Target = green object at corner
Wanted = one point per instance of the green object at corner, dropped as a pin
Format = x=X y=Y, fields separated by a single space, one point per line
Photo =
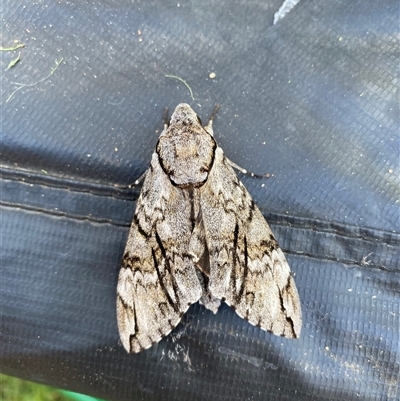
x=78 y=397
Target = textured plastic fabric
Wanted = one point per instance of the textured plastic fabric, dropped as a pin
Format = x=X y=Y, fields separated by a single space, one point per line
x=312 y=100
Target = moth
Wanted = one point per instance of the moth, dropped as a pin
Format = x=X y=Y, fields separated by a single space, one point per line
x=197 y=235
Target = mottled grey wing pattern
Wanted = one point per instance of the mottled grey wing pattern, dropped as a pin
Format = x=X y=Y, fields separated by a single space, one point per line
x=197 y=235
x=157 y=281
x=247 y=268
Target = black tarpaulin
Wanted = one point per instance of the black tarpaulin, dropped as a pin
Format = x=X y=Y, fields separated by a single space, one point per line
x=312 y=99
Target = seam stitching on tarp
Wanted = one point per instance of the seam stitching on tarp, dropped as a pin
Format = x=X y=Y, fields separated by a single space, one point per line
x=124 y=192
x=63 y=214
x=275 y=218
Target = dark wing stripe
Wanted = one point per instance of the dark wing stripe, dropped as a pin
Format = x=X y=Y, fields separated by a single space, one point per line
x=245 y=269
x=161 y=281
x=168 y=268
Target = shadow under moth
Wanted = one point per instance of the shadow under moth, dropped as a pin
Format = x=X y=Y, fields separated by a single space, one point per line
x=198 y=236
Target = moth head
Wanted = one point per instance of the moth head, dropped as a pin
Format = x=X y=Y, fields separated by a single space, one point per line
x=185 y=149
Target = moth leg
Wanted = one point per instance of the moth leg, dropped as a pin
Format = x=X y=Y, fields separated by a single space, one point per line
x=136 y=182
x=244 y=171
x=140 y=179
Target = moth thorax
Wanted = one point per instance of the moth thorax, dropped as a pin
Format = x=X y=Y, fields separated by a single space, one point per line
x=186 y=156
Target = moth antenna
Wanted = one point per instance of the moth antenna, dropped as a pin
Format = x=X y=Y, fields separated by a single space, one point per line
x=165 y=118
x=249 y=173
x=208 y=127
x=213 y=114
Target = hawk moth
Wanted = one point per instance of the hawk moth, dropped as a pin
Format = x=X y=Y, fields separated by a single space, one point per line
x=197 y=235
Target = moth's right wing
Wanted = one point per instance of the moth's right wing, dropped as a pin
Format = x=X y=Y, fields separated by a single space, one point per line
x=247 y=268
x=157 y=282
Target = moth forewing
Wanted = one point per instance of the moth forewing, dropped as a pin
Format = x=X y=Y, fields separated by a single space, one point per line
x=197 y=235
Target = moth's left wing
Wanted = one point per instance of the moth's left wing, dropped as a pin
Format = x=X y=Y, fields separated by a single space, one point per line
x=247 y=268
x=158 y=280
